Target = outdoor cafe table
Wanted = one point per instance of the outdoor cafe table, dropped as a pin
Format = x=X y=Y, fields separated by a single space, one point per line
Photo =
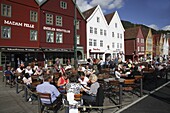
x=121 y=81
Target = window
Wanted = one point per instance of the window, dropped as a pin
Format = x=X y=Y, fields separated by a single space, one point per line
x=98 y=19
x=101 y=31
x=95 y=30
x=33 y=16
x=117 y=45
x=49 y=36
x=105 y=33
x=138 y=48
x=95 y=42
x=142 y=48
x=59 y=37
x=112 y=34
x=6 y=32
x=115 y=25
x=33 y=35
x=49 y=19
x=142 y=40
x=78 y=39
x=120 y=45
x=5 y=10
x=101 y=43
x=59 y=21
x=137 y=40
x=120 y=36
x=91 y=29
x=117 y=35
x=113 y=45
x=63 y=5
x=90 y=42
x=78 y=24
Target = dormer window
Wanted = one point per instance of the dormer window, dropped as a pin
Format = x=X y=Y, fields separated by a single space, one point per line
x=63 y=5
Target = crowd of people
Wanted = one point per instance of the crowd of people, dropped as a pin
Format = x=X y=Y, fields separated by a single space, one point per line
x=82 y=80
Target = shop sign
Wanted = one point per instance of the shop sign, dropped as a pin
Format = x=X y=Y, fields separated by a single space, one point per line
x=56 y=29
x=96 y=49
x=19 y=24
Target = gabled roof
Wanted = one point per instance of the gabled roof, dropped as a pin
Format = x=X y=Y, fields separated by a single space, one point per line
x=131 y=33
x=109 y=17
x=40 y=2
x=145 y=32
x=156 y=38
x=88 y=13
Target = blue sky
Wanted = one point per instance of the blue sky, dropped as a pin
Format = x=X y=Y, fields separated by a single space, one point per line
x=153 y=13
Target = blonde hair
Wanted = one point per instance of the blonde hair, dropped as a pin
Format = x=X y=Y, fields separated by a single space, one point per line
x=93 y=78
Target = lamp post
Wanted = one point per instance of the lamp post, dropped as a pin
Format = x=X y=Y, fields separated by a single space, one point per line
x=75 y=36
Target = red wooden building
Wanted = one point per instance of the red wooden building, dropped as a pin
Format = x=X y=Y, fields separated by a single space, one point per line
x=40 y=29
x=134 y=43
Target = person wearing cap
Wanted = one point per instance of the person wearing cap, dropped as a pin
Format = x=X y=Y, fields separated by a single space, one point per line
x=46 y=87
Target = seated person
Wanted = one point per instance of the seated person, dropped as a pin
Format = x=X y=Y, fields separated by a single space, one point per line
x=73 y=86
x=8 y=71
x=83 y=79
x=46 y=87
x=29 y=70
x=134 y=72
x=62 y=81
x=27 y=79
x=91 y=92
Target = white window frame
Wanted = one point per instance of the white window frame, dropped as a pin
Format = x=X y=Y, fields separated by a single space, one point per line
x=91 y=29
x=120 y=36
x=117 y=35
x=33 y=16
x=78 y=25
x=138 y=48
x=113 y=34
x=90 y=42
x=115 y=25
x=105 y=33
x=101 y=31
x=6 y=10
x=59 y=36
x=120 y=45
x=59 y=20
x=51 y=35
x=78 y=39
x=94 y=42
x=33 y=35
x=63 y=5
x=7 y=31
x=101 y=43
x=95 y=30
x=113 y=45
x=117 y=45
x=98 y=19
x=49 y=19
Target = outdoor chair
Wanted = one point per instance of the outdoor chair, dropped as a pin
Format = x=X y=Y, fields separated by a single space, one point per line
x=8 y=80
x=43 y=107
x=98 y=102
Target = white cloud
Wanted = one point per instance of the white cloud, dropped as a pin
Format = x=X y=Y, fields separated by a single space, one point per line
x=83 y=5
x=166 y=28
x=153 y=26
x=104 y=4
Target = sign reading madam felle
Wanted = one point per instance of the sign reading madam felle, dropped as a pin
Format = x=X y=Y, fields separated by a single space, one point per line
x=19 y=24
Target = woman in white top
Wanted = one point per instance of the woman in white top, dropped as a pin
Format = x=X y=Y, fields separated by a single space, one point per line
x=83 y=79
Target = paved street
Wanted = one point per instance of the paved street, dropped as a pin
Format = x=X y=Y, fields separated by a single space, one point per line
x=157 y=102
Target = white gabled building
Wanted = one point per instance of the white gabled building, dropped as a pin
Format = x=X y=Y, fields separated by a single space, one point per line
x=115 y=34
x=96 y=29
x=105 y=34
